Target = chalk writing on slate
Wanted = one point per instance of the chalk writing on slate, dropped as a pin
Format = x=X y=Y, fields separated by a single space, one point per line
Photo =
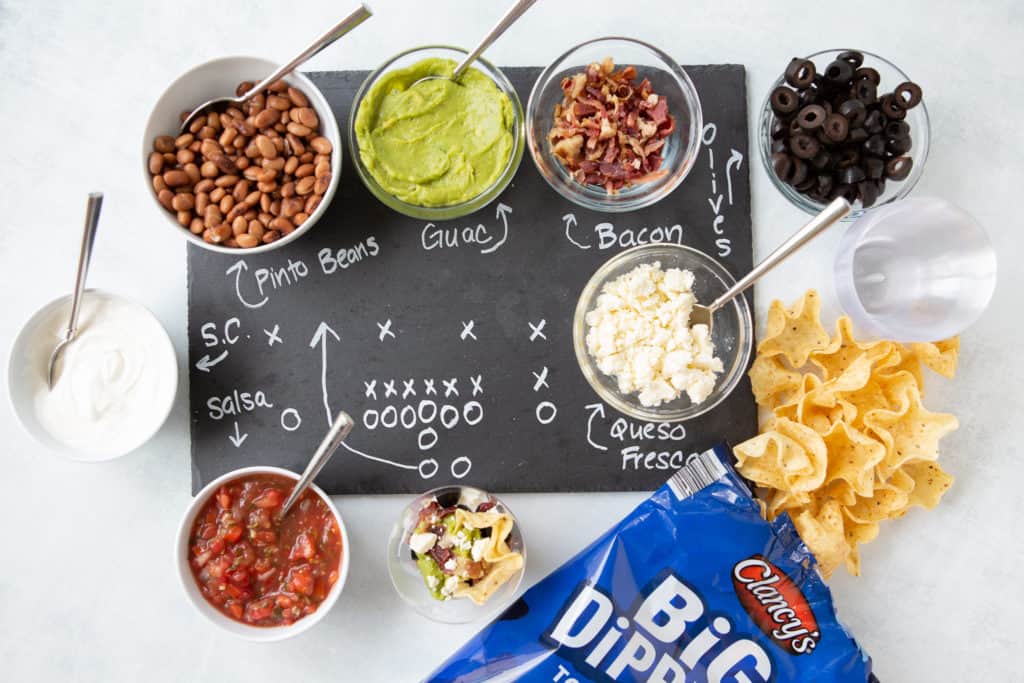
x=450 y=343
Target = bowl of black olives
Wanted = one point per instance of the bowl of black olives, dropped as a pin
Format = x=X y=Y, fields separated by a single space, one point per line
x=844 y=123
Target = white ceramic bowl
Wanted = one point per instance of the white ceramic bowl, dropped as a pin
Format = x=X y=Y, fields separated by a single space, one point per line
x=262 y=634
x=219 y=78
x=26 y=372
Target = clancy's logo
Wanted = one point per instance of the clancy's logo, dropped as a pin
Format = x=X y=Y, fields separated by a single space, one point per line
x=776 y=605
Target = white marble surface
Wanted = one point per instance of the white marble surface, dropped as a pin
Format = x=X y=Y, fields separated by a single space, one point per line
x=87 y=588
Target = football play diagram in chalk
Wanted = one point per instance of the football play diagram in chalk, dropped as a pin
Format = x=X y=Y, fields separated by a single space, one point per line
x=450 y=343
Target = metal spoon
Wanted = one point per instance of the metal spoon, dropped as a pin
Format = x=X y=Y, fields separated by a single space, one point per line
x=703 y=315
x=92 y=218
x=361 y=14
x=340 y=428
x=518 y=10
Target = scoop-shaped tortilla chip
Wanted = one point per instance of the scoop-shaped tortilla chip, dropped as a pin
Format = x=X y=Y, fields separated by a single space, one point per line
x=940 y=357
x=852 y=456
x=824 y=535
x=795 y=333
x=930 y=482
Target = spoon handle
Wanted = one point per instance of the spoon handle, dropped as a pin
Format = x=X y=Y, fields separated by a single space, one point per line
x=361 y=14
x=340 y=429
x=828 y=216
x=510 y=17
x=92 y=219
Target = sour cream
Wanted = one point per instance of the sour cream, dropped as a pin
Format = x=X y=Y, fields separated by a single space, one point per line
x=116 y=382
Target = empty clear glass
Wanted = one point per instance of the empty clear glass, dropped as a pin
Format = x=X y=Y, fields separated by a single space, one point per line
x=915 y=270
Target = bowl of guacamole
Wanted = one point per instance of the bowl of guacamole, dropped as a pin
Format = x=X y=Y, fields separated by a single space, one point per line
x=436 y=149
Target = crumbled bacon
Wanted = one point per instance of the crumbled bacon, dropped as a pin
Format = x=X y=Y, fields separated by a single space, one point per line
x=610 y=130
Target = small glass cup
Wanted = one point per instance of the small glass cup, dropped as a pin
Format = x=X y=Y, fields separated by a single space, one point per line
x=667 y=78
x=449 y=211
x=917 y=270
x=732 y=333
x=917 y=118
x=406 y=576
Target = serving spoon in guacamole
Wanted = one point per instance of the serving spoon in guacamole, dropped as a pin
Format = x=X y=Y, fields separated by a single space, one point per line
x=518 y=10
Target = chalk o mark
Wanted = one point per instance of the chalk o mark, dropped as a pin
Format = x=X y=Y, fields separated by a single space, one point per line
x=428 y=432
x=546 y=412
x=459 y=462
x=296 y=419
x=424 y=464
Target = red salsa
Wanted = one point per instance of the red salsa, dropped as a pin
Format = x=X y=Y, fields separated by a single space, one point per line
x=254 y=566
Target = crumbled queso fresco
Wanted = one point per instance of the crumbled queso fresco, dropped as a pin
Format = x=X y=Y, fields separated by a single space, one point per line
x=639 y=333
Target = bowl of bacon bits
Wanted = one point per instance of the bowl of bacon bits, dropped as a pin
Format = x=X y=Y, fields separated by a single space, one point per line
x=456 y=554
x=252 y=572
x=614 y=124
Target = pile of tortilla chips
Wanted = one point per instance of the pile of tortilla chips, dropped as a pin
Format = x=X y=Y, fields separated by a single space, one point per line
x=849 y=443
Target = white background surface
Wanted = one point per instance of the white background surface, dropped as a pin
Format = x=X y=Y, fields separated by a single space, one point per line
x=87 y=587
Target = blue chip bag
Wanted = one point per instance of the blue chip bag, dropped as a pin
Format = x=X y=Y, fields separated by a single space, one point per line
x=692 y=586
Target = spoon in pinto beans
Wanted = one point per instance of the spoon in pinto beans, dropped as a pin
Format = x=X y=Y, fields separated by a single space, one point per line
x=361 y=14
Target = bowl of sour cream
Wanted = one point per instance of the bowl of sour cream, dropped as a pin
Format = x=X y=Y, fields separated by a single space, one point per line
x=117 y=380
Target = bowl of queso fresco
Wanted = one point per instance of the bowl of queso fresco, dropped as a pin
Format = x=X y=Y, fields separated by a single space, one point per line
x=252 y=572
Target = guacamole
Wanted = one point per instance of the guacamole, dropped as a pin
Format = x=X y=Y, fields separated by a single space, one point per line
x=438 y=142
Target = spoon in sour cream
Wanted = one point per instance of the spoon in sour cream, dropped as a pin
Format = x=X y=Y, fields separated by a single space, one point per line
x=518 y=10
x=92 y=218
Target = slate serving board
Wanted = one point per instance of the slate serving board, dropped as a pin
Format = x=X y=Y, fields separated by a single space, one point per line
x=450 y=344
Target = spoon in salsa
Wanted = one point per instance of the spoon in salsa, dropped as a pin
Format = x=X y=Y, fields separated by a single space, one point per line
x=361 y=14
x=340 y=428
x=518 y=10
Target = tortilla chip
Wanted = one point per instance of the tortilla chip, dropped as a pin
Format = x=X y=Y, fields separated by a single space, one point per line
x=852 y=456
x=790 y=457
x=911 y=432
x=930 y=482
x=772 y=381
x=795 y=333
x=482 y=589
x=940 y=357
x=849 y=443
x=824 y=535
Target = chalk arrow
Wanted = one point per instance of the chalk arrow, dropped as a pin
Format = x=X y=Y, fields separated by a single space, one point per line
x=570 y=223
x=237 y=269
x=501 y=213
x=205 y=363
x=735 y=161
x=237 y=439
x=595 y=410
x=320 y=337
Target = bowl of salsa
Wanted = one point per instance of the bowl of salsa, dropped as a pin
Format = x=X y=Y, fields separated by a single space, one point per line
x=250 y=571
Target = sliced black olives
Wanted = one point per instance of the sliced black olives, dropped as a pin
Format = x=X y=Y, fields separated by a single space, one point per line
x=838 y=74
x=836 y=127
x=837 y=133
x=800 y=73
x=855 y=112
x=853 y=57
x=908 y=94
x=812 y=116
x=804 y=146
x=784 y=101
x=898 y=168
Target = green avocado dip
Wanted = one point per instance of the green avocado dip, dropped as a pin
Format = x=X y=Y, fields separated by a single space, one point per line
x=438 y=142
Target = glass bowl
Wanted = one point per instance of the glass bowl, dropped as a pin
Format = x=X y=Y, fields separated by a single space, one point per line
x=406 y=577
x=450 y=211
x=917 y=118
x=732 y=333
x=667 y=78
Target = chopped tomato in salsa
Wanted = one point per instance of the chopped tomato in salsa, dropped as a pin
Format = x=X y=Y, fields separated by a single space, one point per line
x=256 y=567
